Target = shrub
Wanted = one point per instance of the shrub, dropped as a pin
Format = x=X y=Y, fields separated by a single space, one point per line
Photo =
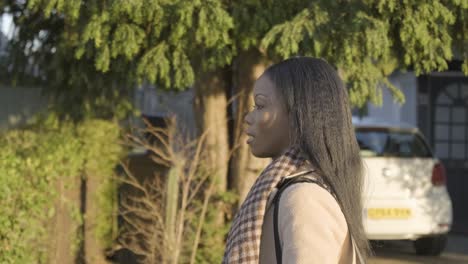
x=32 y=160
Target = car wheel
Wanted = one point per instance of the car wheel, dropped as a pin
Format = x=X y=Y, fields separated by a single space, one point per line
x=430 y=246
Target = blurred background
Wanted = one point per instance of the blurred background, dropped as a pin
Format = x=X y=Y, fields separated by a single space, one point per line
x=121 y=122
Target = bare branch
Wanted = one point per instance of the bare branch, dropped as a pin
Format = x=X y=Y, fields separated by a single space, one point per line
x=145 y=230
x=201 y=222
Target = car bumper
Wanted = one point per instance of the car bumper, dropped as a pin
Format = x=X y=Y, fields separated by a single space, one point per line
x=429 y=215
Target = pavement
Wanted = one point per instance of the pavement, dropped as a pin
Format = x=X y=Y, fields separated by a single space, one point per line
x=402 y=252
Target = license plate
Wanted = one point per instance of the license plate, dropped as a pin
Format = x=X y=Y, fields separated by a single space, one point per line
x=388 y=213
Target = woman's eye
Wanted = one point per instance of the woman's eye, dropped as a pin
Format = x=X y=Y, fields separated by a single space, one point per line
x=257 y=107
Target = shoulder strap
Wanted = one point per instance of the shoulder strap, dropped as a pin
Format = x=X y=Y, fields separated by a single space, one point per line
x=281 y=187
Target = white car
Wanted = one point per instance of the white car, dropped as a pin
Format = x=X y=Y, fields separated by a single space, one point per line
x=405 y=194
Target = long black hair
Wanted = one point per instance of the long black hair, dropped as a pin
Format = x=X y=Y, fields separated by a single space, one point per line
x=321 y=124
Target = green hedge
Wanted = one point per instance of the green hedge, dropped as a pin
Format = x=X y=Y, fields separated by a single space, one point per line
x=31 y=161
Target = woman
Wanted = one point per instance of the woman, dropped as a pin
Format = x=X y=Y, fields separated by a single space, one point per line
x=301 y=120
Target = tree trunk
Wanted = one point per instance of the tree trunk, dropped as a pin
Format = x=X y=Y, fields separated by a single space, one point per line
x=93 y=247
x=63 y=234
x=211 y=113
x=245 y=168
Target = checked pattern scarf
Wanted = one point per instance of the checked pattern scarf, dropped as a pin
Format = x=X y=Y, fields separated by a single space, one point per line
x=243 y=241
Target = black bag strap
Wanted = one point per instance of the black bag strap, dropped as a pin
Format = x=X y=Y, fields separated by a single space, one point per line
x=281 y=187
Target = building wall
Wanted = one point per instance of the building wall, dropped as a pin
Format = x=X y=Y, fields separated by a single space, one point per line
x=18 y=104
x=395 y=112
x=154 y=102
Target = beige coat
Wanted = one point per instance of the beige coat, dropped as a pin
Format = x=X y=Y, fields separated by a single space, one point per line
x=312 y=228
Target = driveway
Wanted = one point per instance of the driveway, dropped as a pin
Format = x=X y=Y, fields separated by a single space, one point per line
x=402 y=252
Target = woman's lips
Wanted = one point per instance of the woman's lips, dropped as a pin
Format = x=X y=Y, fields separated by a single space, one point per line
x=250 y=139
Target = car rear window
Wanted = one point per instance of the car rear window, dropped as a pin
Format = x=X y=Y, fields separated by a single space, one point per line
x=378 y=142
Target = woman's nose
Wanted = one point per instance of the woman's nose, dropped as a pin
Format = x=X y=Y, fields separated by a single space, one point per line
x=248 y=118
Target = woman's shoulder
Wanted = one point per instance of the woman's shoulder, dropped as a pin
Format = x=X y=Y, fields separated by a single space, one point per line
x=311 y=220
x=312 y=199
x=308 y=191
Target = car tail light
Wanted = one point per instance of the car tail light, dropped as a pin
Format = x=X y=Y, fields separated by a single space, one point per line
x=438 y=175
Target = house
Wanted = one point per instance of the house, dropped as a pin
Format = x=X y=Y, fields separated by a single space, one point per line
x=437 y=103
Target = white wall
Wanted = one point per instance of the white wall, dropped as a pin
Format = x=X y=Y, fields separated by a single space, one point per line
x=392 y=111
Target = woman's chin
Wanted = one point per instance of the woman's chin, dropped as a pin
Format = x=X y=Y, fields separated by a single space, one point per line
x=258 y=154
x=253 y=150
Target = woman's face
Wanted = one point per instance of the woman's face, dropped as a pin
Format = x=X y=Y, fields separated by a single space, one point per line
x=267 y=124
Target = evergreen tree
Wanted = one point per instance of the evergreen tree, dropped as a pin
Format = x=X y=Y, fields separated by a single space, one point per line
x=92 y=54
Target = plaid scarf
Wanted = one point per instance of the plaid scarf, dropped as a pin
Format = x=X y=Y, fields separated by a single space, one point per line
x=243 y=241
